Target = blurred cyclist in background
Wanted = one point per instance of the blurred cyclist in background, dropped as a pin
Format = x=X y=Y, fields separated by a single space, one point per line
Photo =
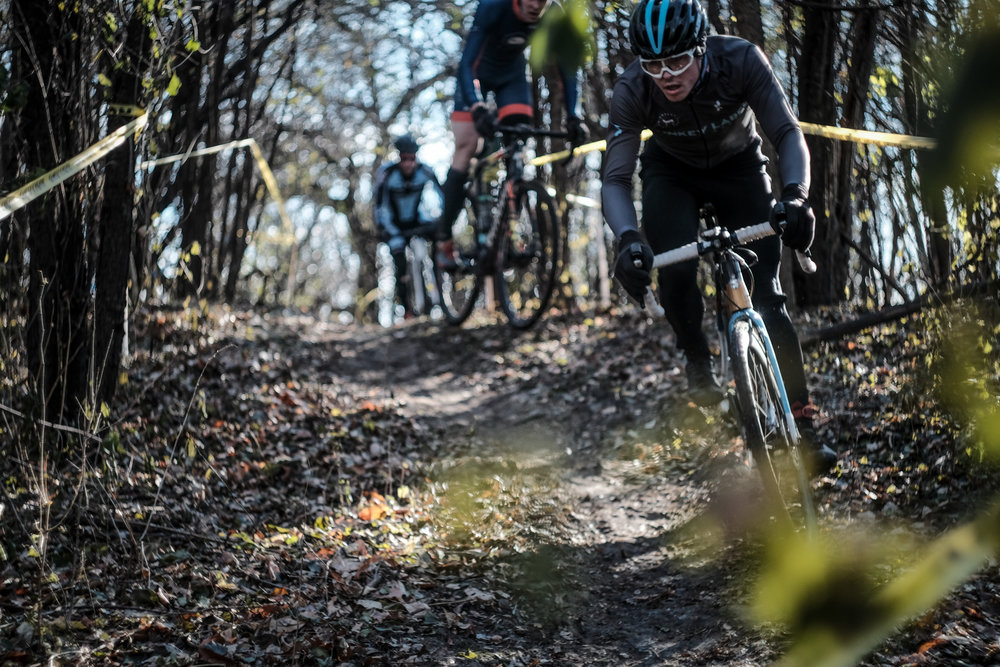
x=493 y=62
x=400 y=207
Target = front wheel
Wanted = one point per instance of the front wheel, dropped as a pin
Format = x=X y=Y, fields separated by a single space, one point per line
x=421 y=287
x=459 y=288
x=767 y=428
x=528 y=256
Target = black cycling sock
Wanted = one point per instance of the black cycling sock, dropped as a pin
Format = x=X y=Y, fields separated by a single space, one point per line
x=454 y=196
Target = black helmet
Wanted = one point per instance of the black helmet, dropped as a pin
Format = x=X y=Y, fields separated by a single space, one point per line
x=661 y=28
x=407 y=145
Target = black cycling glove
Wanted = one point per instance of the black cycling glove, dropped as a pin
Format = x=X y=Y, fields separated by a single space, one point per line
x=576 y=130
x=632 y=250
x=486 y=124
x=799 y=226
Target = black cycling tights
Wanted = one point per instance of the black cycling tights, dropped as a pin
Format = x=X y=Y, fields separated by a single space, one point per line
x=740 y=191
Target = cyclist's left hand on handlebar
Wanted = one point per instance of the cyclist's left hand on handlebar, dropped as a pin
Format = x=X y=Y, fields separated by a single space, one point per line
x=794 y=211
x=485 y=122
x=576 y=130
x=635 y=260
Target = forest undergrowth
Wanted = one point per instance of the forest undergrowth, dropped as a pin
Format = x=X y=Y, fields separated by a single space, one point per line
x=270 y=488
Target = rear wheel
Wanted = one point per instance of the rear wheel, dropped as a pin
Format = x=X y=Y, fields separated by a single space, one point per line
x=459 y=288
x=767 y=431
x=529 y=253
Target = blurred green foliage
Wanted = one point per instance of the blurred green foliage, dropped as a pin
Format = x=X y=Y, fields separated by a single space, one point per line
x=831 y=598
x=566 y=37
x=968 y=148
x=841 y=595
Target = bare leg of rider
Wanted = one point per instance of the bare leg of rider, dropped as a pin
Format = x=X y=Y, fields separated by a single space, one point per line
x=466 y=145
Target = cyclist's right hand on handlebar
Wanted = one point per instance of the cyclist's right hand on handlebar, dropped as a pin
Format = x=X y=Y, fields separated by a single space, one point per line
x=485 y=122
x=635 y=260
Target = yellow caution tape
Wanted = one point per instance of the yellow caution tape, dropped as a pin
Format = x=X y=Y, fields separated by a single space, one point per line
x=49 y=180
x=844 y=134
x=180 y=157
x=579 y=150
x=272 y=184
x=269 y=181
x=74 y=165
x=866 y=137
x=576 y=200
x=584 y=202
x=265 y=169
x=858 y=136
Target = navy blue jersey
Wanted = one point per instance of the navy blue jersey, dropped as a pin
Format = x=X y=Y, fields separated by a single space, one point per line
x=493 y=57
x=715 y=123
x=401 y=203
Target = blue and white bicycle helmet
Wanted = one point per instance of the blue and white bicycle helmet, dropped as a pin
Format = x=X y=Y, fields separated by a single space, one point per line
x=662 y=28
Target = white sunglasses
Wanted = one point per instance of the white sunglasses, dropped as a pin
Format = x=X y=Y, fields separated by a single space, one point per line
x=674 y=65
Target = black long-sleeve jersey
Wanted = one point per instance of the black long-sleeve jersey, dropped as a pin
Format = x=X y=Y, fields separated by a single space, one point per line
x=714 y=123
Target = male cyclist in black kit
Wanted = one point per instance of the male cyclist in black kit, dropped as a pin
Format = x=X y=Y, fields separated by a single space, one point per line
x=493 y=61
x=699 y=95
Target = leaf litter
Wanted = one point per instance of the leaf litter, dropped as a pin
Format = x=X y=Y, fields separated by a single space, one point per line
x=284 y=490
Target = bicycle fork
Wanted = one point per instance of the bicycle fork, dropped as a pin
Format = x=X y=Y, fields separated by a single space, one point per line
x=490 y=250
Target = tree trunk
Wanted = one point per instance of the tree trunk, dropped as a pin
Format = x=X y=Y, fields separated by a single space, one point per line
x=817 y=104
x=854 y=107
x=917 y=120
x=57 y=332
x=748 y=22
x=194 y=204
x=117 y=228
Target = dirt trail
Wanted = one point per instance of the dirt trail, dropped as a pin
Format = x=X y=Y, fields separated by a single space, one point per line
x=632 y=590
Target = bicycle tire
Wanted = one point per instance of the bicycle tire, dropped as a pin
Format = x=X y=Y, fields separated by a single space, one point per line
x=460 y=288
x=422 y=284
x=770 y=437
x=528 y=256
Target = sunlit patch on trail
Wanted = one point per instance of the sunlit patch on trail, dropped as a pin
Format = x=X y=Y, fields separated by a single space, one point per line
x=504 y=512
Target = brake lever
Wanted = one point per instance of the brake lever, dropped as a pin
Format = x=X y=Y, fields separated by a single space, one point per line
x=804 y=258
x=654 y=307
x=649 y=301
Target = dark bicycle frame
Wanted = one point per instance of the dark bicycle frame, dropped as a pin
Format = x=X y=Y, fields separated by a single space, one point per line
x=730 y=260
x=511 y=153
x=483 y=191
